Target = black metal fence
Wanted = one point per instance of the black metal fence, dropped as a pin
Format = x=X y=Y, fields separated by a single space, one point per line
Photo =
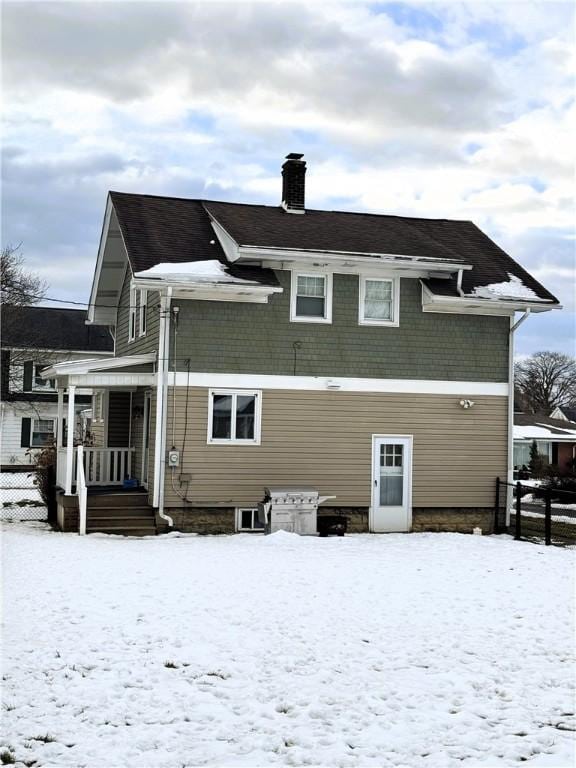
x=535 y=513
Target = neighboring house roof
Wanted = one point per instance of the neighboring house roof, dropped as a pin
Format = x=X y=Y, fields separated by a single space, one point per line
x=159 y=230
x=564 y=414
x=52 y=329
x=534 y=426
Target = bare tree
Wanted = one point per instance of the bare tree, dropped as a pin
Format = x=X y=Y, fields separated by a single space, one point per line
x=19 y=286
x=546 y=380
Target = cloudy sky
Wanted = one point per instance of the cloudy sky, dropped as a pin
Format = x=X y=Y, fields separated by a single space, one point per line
x=440 y=109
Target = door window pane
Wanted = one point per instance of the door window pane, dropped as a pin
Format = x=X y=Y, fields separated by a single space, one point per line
x=310 y=296
x=245 y=410
x=222 y=417
x=391 y=475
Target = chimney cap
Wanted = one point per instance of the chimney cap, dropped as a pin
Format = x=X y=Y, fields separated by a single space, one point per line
x=295 y=156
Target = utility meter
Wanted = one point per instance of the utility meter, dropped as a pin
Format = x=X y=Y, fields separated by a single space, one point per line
x=173 y=458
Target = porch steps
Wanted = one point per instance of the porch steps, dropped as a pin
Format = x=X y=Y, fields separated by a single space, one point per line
x=122 y=513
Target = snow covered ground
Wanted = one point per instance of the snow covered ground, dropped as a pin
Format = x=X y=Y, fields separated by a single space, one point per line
x=397 y=651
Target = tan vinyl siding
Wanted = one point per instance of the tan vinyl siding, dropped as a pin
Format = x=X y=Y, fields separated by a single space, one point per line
x=324 y=440
x=141 y=344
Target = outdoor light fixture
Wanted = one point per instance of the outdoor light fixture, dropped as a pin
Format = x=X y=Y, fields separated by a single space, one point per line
x=466 y=404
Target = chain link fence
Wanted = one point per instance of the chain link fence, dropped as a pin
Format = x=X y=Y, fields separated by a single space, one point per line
x=20 y=498
x=534 y=513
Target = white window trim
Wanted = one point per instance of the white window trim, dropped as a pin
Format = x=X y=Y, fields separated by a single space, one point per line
x=36 y=421
x=395 y=322
x=257 y=416
x=132 y=315
x=143 y=303
x=254 y=511
x=294 y=318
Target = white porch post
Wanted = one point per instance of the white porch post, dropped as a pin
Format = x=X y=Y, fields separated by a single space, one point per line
x=70 y=440
x=60 y=422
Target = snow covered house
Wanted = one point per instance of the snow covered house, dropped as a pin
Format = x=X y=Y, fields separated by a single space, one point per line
x=32 y=339
x=366 y=356
x=555 y=439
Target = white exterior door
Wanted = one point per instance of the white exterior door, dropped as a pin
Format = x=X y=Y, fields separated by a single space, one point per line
x=391 y=483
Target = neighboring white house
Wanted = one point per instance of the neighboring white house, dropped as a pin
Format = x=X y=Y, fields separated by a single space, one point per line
x=33 y=338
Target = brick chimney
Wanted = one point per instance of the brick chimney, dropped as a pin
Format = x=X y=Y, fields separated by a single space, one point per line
x=293 y=185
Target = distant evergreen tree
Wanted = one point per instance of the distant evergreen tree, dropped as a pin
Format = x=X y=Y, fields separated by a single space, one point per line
x=538 y=463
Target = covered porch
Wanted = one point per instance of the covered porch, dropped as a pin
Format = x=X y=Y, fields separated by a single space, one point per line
x=115 y=440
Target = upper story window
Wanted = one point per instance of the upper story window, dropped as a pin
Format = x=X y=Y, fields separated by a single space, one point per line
x=379 y=301
x=234 y=416
x=39 y=382
x=132 y=316
x=311 y=297
x=142 y=305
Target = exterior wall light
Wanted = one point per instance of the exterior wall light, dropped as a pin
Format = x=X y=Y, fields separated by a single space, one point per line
x=466 y=404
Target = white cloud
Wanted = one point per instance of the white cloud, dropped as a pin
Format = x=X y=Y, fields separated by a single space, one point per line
x=463 y=111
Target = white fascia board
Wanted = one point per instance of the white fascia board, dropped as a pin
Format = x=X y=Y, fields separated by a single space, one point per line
x=229 y=245
x=431 y=302
x=73 y=367
x=339 y=384
x=118 y=379
x=210 y=291
x=375 y=260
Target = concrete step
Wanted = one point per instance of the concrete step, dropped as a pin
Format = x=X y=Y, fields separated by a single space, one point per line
x=99 y=512
x=120 y=522
x=98 y=500
x=125 y=531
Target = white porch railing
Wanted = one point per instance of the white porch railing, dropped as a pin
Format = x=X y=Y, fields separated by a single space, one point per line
x=102 y=466
x=107 y=466
x=81 y=491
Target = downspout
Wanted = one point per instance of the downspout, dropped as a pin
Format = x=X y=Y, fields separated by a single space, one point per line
x=510 y=452
x=161 y=400
x=459 y=283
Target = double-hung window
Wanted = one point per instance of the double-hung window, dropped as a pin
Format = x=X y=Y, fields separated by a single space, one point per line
x=142 y=308
x=311 y=298
x=379 y=301
x=234 y=416
x=132 y=316
x=42 y=432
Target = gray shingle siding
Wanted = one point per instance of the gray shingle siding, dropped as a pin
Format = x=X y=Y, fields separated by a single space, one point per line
x=229 y=337
x=141 y=344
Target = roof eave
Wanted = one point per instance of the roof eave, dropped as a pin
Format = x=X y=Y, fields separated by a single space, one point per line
x=335 y=258
x=432 y=301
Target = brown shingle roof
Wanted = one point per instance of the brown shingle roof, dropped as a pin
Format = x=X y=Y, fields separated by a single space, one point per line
x=170 y=230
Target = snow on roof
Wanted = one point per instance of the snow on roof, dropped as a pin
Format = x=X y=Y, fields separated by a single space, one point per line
x=513 y=288
x=543 y=432
x=194 y=272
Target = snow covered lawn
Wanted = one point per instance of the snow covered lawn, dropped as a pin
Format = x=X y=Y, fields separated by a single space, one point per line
x=20 y=498
x=394 y=651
